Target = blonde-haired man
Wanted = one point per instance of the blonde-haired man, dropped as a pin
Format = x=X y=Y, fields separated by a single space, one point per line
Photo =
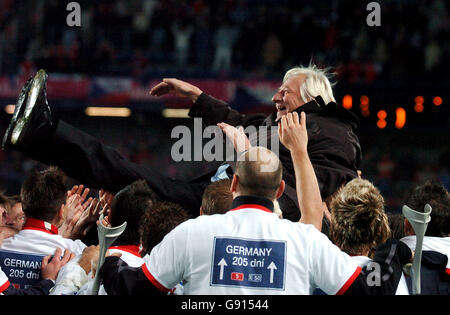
x=359 y=223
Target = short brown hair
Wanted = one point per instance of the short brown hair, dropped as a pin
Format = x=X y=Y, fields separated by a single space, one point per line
x=4 y=200
x=162 y=218
x=129 y=205
x=43 y=193
x=14 y=199
x=358 y=220
x=435 y=194
x=217 y=198
x=396 y=224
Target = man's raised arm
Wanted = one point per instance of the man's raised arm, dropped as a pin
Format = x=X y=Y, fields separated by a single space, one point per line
x=176 y=87
x=293 y=135
x=210 y=109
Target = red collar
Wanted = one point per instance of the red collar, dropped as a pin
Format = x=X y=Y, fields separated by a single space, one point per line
x=253 y=202
x=132 y=249
x=39 y=225
x=259 y=207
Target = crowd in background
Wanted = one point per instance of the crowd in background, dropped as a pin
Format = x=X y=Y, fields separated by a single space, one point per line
x=231 y=39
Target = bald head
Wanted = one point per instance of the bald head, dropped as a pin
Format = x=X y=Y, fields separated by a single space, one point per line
x=259 y=173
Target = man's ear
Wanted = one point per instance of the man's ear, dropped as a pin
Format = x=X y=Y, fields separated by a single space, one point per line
x=407 y=228
x=234 y=183
x=59 y=217
x=61 y=211
x=280 y=190
x=201 y=210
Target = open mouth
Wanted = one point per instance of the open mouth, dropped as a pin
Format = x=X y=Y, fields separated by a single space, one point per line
x=281 y=108
x=281 y=111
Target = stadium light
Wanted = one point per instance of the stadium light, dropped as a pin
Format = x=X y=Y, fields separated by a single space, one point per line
x=9 y=109
x=108 y=111
x=437 y=101
x=364 y=105
x=364 y=100
x=381 y=123
x=175 y=113
x=418 y=107
x=382 y=114
x=401 y=118
x=347 y=101
x=419 y=99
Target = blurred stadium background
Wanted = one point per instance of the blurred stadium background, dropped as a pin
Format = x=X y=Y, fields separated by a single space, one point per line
x=394 y=77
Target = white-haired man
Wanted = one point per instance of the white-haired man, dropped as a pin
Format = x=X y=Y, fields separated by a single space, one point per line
x=333 y=147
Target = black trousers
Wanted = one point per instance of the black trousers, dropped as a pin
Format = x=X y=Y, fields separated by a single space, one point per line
x=96 y=165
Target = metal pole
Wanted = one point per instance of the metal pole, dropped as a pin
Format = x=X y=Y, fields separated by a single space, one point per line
x=106 y=236
x=419 y=222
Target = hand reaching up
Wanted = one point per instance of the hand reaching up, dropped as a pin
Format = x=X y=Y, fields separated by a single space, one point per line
x=237 y=136
x=292 y=132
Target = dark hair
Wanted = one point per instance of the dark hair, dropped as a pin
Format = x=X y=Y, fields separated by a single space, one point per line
x=439 y=199
x=396 y=223
x=43 y=193
x=14 y=199
x=4 y=200
x=129 y=205
x=160 y=220
x=217 y=197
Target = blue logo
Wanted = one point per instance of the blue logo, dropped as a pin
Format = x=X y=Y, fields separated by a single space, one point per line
x=249 y=263
x=22 y=270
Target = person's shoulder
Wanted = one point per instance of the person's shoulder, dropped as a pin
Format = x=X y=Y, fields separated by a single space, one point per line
x=299 y=227
x=17 y=238
x=332 y=109
x=77 y=246
x=208 y=218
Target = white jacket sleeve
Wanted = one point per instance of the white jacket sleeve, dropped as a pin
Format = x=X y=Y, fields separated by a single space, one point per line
x=70 y=279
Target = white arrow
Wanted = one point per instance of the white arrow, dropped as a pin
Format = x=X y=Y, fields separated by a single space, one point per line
x=272 y=267
x=222 y=263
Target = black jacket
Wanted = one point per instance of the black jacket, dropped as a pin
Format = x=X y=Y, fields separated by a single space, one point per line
x=41 y=288
x=333 y=146
x=434 y=275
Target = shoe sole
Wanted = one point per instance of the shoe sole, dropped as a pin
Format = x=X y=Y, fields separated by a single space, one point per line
x=36 y=88
x=18 y=111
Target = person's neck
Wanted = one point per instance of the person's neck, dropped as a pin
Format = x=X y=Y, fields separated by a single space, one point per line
x=241 y=200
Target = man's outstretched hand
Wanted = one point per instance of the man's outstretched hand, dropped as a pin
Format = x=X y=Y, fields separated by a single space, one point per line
x=176 y=87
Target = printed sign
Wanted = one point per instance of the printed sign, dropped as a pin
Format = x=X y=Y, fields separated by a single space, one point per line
x=249 y=263
x=22 y=270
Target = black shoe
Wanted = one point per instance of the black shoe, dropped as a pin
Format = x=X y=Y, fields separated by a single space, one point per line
x=33 y=121
x=18 y=111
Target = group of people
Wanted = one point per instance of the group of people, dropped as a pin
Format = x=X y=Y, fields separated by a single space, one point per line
x=297 y=220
